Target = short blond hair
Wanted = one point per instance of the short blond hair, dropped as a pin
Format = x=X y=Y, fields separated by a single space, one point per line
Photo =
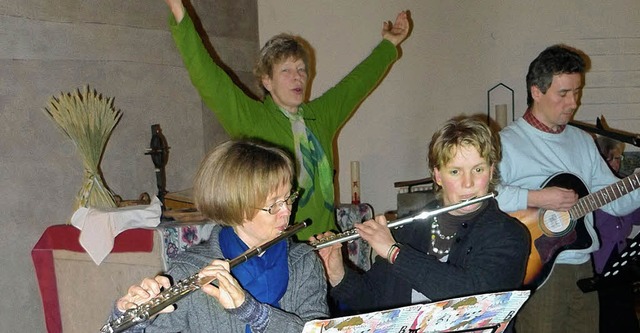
x=236 y=178
x=464 y=131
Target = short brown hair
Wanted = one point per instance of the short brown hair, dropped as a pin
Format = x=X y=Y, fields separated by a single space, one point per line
x=236 y=178
x=554 y=60
x=276 y=50
x=464 y=131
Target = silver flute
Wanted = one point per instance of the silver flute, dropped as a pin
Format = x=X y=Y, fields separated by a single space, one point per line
x=352 y=234
x=184 y=287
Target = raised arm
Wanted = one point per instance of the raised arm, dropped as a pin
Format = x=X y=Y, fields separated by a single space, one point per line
x=176 y=8
x=395 y=32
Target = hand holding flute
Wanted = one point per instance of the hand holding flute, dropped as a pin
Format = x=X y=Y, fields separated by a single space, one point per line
x=228 y=292
x=142 y=293
x=375 y=232
x=331 y=259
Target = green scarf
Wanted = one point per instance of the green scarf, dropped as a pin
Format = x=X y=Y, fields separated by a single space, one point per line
x=310 y=159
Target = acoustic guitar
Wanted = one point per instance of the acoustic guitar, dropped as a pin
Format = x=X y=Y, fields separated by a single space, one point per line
x=553 y=232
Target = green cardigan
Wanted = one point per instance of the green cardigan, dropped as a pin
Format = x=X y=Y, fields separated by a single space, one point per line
x=245 y=117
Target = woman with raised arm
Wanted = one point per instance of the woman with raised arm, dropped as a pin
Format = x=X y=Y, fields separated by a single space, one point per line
x=305 y=128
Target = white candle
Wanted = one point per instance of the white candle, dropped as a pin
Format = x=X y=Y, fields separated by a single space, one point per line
x=355 y=182
x=501 y=115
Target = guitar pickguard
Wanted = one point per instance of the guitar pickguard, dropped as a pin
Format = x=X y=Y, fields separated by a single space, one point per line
x=549 y=246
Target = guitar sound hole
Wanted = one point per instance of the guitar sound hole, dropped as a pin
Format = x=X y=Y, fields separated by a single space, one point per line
x=556 y=223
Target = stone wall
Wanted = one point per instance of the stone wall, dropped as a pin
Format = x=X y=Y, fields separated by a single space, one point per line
x=122 y=49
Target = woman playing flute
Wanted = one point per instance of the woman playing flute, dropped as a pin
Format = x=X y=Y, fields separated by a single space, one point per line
x=474 y=249
x=246 y=188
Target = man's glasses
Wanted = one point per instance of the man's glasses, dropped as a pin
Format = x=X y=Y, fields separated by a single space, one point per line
x=620 y=158
x=276 y=206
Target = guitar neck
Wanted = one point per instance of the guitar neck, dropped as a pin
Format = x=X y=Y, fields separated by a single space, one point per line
x=595 y=200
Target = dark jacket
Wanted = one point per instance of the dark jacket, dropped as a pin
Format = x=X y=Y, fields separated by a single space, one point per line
x=489 y=254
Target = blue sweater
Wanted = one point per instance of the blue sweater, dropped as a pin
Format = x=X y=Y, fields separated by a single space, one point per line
x=304 y=299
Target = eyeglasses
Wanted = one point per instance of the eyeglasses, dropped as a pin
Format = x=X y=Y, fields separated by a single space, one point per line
x=276 y=206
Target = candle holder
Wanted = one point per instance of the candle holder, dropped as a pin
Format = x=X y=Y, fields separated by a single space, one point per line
x=501 y=112
x=355 y=182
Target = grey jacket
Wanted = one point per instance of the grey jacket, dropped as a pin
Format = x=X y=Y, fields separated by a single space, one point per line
x=304 y=299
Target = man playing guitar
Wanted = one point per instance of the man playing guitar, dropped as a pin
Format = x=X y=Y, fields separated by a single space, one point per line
x=548 y=170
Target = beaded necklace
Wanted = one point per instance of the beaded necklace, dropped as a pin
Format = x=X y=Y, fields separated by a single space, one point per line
x=435 y=231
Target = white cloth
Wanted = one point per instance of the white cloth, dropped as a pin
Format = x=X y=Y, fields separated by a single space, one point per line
x=99 y=227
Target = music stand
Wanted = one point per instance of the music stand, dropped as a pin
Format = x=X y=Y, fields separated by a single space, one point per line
x=616 y=270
